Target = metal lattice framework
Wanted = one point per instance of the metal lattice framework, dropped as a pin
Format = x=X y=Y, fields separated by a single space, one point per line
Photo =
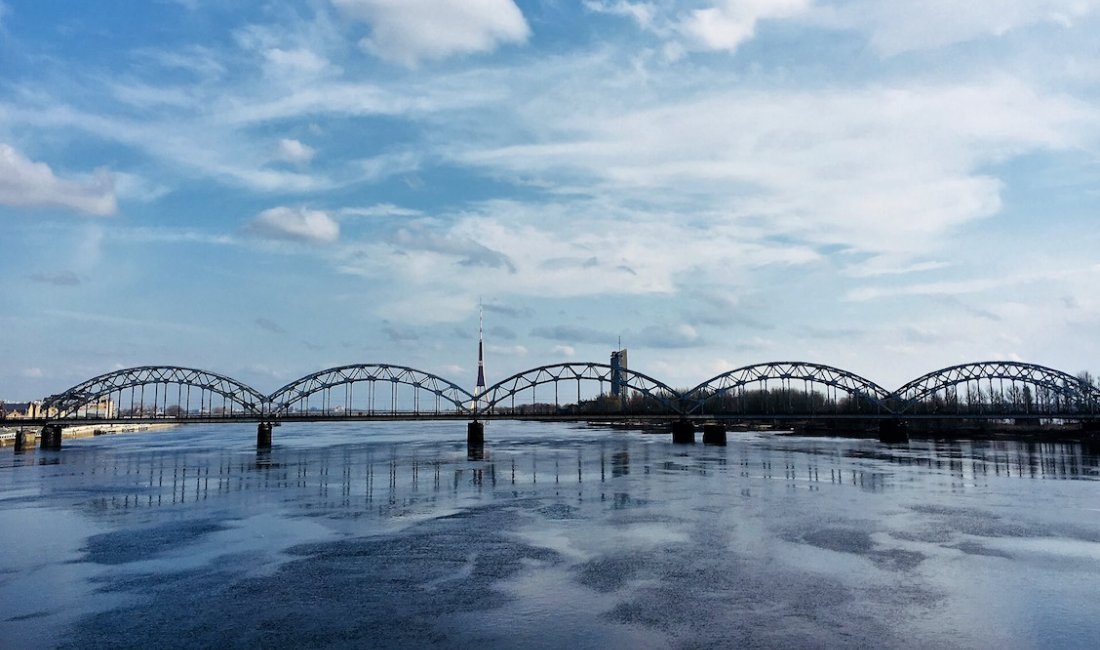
x=986 y=389
x=506 y=390
x=336 y=389
x=237 y=398
x=788 y=374
x=1055 y=391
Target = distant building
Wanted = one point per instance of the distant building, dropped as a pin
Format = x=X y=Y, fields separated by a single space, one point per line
x=20 y=410
x=102 y=409
x=35 y=410
x=618 y=373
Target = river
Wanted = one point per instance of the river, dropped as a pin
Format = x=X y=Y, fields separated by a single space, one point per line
x=554 y=536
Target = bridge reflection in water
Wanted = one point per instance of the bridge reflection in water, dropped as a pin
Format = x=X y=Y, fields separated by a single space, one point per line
x=405 y=478
x=366 y=533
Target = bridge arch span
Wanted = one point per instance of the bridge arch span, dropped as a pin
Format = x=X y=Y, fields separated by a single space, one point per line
x=638 y=392
x=332 y=391
x=752 y=390
x=125 y=393
x=1031 y=389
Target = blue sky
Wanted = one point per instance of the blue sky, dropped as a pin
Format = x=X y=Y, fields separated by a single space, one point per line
x=272 y=188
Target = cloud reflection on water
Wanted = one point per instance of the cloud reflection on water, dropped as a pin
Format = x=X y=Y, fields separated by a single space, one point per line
x=555 y=536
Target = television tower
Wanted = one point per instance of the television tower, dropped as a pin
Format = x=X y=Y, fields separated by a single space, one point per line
x=475 y=431
x=480 y=387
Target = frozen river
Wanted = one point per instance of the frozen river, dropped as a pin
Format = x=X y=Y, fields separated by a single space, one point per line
x=393 y=535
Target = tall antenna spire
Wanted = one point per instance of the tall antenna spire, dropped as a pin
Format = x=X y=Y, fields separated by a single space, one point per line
x=480 y=387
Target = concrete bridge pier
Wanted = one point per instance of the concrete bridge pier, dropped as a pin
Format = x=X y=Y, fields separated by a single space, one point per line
x=475 y=433
x=263 y=435
x=714 y=433
x=683 y=432
x=893 y=431
x=51 y=436
x=25 y=439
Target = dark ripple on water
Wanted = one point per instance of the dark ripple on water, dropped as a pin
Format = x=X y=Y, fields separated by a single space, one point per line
x=560 y=538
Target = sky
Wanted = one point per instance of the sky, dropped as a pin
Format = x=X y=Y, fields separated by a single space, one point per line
x=267 y=189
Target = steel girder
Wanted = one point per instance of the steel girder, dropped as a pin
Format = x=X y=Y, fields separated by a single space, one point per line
x=296 y=392
x=561 y=372
x=1060 y=383
x=852 y=384
x=72 y=400
x=1065 y=386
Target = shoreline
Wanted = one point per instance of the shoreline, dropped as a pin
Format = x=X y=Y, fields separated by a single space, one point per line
x=7 y=433
x=1028 y=433
x=1050 y=433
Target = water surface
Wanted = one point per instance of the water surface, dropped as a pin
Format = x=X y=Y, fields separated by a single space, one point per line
x=396 y=535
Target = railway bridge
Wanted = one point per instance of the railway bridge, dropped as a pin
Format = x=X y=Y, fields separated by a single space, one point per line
x=773 y=391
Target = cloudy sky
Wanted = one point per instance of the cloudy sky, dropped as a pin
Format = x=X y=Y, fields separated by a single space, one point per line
x=265 y=189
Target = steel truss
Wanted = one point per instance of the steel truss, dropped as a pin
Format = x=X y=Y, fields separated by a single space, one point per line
x=297 y=393
x=234 y=393
x=860 y=389
x=332 y=393
x=1072 y=395
x=652 y=389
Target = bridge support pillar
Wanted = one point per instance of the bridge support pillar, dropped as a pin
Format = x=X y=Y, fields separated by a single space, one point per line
x=51 y=436
x=263 y=435
x=683 y=432
x=25 y=439
x=714 y=433
x=893 y=431
x=475 y=433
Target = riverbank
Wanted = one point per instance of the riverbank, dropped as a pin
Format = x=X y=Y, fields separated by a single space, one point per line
x=980 y=430
x=857 y=429
x=8 y=433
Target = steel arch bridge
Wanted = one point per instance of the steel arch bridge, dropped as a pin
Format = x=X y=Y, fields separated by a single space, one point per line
x=776 y=390
x=1010 y=388
x=656 y=396
x=732 y=392
x=334 y=389
x=104 y=397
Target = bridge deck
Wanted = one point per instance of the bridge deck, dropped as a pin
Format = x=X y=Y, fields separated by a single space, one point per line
x=599 y=417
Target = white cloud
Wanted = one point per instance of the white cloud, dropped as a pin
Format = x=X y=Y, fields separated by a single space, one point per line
x=298 y=62
x=507 y=350
x=642 y=13
x=202 y=62
x=410 y=31
x=296 y=224
x=878 y=169
x=566 y=249
x=567 y=351
x=380 y=210
x=946 y=288
x=25 y=183
x=907 y=25
x=884 y=265
x=173 y=236
x=388 y=164
x=188 y=141
x=294 y=151
x=729 y=23
x=137 y=188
